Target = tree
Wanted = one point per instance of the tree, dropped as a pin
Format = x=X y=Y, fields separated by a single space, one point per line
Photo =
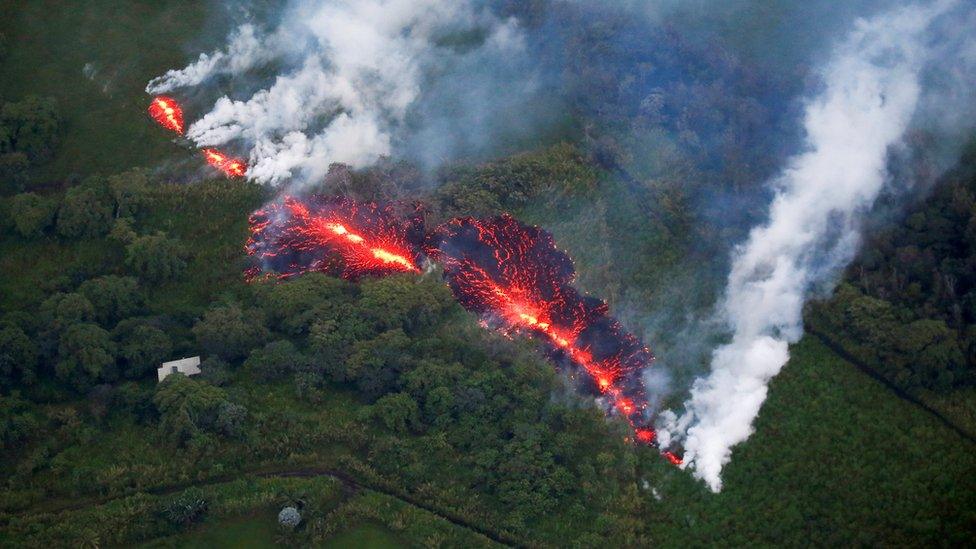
x=293 y=306
x=32 y=214
x=86 y=211
x=438 y=406
x=189 y=408
x=142 y=347
x=229 y=332
x=66 y=309
x=215 y=371
x=32 y=127
x=275 y=360
x=16 y=422
x=398 y=412
x=230 y=419
x=330 y=338
x=404 y=302
x=376 y=365
x=130 y=192
x=122 y=231
x=156 y=258
x=18 y=356
x=13 y=171
x=186 y=508
x=870 y=319
x=113 y=297
x=135 y=400
x=87 y=355
x=100 y=398
x=933 y=353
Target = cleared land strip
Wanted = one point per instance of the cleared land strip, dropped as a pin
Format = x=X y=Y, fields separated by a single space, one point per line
x=874 y=374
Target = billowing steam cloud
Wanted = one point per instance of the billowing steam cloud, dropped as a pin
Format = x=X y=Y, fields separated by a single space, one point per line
x=349 y=73
x=872 y=88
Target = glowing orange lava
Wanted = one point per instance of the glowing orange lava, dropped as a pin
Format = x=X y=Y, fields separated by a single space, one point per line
x=672 y=457
x=167 y=113
x=232 y=167
x=519 y=315
x=510 y=274
x=338 y=236
x=515 y=277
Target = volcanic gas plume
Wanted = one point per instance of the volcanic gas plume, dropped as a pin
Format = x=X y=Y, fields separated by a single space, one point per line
x=338 y=236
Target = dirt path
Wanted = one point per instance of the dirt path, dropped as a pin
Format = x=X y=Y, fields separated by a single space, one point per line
x=350 y=486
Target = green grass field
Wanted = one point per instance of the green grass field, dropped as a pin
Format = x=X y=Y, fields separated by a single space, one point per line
x=255 y=531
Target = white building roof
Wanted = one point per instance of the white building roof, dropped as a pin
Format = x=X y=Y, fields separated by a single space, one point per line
x=186 y=366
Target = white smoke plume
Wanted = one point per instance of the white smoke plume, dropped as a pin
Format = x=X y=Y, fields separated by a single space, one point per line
x=348 y=73
x=871 y=91
x=244 y=51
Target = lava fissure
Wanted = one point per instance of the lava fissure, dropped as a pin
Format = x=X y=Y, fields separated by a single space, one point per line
x=515 y=277
x=169 y=114
x=510 y=274
x=338 y=236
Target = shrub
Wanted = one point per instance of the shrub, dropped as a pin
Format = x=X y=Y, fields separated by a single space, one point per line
x=187 y=508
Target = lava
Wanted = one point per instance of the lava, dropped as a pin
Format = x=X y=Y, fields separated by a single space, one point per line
x=232 y=167
x=167 y=113
x=510 y=274
x=337 y=236
x=517 y=280
x=672 y=457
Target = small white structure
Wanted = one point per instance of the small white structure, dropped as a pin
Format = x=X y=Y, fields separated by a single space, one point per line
x=186 y=366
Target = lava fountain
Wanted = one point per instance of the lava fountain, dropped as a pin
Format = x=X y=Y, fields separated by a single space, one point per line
x=167 y=113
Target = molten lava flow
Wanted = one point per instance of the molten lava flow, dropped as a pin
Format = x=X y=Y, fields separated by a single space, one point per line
x=167 y=113
x=510 y=274
x=337 y=236
x=514 y=276
x=232 y=167
x=672 y=457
